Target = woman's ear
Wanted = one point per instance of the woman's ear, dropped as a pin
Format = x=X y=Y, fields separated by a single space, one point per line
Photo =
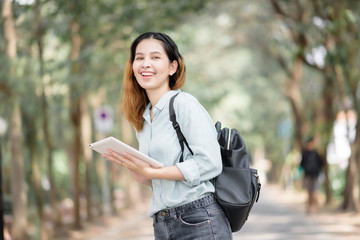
x=173 y=67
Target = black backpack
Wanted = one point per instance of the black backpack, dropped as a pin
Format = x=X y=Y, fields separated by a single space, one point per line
x=237 y=188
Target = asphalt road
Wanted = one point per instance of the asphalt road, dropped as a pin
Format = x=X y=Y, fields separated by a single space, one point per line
x=274 y=219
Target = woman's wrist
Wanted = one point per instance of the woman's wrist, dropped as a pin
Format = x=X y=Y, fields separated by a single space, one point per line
x=169 y=173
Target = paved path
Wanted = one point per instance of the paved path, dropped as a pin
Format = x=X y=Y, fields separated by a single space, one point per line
x=277 y=216
x=274 y=219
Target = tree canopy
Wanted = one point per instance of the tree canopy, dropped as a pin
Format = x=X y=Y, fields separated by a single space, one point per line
x=278 y=71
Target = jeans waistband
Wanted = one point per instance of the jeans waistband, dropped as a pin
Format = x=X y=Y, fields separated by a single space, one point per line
x=177 y=211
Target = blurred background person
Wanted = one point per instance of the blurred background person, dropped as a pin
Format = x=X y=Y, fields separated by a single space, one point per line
x=311 y=164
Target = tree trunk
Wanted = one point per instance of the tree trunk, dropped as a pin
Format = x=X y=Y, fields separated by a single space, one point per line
x=31 y=141
x=75 y=113
x=325 y=127
x=351 y=193
x=45 y=118
x=39 y=196
x=49 y=161
x=76 y=154
x=293 y=93
x=18 y=191
x=347 y=74
x=86 y=139
x=9 y=29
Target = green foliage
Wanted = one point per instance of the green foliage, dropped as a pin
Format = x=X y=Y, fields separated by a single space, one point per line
x=62 y=173
x=105 y=29
x=338 y=181
x=231 y=50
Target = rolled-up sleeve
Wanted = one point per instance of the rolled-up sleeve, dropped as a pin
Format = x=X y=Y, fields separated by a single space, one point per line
x=200 y=133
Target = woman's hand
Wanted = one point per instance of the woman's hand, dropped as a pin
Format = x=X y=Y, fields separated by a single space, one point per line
x=141 y=170
x=140 y=179
x=137 y=167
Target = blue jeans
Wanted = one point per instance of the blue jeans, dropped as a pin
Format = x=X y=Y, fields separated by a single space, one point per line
x=200 y=219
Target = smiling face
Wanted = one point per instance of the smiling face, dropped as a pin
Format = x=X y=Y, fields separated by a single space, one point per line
x=152 y=67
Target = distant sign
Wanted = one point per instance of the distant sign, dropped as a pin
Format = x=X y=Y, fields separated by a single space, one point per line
x=104 y=119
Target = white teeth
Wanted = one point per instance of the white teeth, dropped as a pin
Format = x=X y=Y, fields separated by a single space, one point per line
x=146 y=74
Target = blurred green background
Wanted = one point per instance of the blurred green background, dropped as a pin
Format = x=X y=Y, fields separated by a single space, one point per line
x=279 y=71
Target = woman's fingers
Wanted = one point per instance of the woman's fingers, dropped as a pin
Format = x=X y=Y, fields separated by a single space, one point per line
x=126 y=159
x=136 y=160
x=138 y=168
x=112 y=158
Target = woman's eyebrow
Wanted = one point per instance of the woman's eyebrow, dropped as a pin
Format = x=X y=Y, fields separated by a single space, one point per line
x=156 y=52
x=140 y=53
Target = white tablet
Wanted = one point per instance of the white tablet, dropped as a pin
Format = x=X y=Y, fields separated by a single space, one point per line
x=120 y=147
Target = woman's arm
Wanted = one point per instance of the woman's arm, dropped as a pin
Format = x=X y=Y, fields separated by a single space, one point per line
x=141 y=170
x=200 y=133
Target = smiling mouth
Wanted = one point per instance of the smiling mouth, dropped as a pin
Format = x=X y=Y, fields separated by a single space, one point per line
x=146 y=74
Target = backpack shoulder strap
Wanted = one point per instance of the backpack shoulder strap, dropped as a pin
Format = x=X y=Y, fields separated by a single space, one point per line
x=176 y=126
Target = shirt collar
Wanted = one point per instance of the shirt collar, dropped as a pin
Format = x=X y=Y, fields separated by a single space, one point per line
x=165 y=99
x=160 y=104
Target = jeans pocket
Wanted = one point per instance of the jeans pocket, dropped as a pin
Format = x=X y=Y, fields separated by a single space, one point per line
x=197 y=217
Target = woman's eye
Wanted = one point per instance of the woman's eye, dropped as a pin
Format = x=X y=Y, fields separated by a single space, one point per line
x=155 y=57
x=139 y=58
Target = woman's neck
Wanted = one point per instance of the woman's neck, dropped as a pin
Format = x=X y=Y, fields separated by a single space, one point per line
x=155 y=95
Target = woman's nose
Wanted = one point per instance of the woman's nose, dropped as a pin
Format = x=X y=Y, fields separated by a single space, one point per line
x=145 y=63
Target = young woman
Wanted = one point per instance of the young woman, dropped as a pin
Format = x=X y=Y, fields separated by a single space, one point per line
x=182 y=205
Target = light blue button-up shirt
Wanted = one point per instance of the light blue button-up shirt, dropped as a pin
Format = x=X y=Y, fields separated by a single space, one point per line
x=158 y=139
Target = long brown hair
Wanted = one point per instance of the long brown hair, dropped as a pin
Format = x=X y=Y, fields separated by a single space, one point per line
x=135 y=99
